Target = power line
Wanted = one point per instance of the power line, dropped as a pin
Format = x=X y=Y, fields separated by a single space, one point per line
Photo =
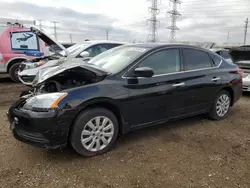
x=174 y=14
x=245 y=31
x=154 y=11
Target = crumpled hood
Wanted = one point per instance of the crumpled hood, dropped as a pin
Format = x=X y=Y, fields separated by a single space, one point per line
x=48 y=40
x=51 y=71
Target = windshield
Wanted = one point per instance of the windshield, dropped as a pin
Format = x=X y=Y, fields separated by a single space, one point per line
x=117 y=59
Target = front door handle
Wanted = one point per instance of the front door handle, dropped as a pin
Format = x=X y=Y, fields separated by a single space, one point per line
x=179 y=84
x=215 y=79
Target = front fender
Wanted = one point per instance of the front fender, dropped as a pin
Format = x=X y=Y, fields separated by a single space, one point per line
x=82 y=97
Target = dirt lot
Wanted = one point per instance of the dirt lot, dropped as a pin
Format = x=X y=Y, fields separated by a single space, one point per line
x=194 y=152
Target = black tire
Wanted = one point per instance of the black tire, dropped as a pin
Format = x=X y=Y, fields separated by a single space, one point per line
x=82 y=119
x=13 y=72
x=213 y=114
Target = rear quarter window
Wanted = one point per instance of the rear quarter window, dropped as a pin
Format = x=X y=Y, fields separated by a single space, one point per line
x=196 y=59
x=216 y=60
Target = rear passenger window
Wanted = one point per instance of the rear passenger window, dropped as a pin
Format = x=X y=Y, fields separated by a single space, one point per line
x=196 y=59
x=215 y=60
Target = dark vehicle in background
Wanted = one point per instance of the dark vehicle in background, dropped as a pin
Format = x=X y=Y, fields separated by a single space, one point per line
x=241 y=57
x=122 y=89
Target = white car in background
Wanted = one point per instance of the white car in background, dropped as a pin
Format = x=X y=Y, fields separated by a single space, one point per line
x=220 y=51
x=223 y=53
x=86 y=50
x=241 y=57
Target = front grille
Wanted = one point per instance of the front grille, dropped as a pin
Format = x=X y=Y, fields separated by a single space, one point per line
x=28 y=78
x=37 y=137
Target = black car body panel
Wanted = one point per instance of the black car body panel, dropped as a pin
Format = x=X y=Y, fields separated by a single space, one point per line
x=136 y=102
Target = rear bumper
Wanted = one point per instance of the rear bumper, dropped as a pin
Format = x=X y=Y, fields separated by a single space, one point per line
x=46 y=130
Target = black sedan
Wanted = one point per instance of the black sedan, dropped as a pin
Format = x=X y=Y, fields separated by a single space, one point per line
x=129 y=87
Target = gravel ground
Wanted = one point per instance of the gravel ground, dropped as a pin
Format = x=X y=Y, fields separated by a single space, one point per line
x=194 y=152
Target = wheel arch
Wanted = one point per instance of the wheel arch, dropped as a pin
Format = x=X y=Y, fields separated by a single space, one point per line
x=231 y=92
x=13 y=61
x=107 y=103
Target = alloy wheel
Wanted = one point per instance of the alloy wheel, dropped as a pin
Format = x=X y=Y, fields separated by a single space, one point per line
x=97 y=133
x=222 y=105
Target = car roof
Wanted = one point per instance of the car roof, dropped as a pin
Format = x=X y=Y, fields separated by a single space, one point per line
x=102 y=41
x=162 y=45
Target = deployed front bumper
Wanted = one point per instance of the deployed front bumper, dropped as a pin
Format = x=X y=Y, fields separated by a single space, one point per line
x=42 y=129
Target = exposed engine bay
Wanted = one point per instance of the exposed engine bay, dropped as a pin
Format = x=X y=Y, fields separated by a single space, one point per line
x=68 y=79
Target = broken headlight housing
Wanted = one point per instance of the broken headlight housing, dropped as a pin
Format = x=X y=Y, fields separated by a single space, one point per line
x=34 y=65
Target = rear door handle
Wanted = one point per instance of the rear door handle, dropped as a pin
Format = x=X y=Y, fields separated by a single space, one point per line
x=179 y=84
x=215 y=79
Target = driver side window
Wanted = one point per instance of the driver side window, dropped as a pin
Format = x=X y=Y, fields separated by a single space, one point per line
x=163 y=62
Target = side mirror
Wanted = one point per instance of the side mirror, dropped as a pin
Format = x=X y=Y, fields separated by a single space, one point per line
x=84 y=54
x=145 y=72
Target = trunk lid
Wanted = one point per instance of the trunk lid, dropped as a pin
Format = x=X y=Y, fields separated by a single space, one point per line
x=48 y=40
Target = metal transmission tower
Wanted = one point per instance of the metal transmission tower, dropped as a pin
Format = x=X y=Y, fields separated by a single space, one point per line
x=245 y=31
x=154 y=11
x=55 y=32
x=174 y=14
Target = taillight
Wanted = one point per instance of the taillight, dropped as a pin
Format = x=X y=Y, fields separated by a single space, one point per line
x=240 y=71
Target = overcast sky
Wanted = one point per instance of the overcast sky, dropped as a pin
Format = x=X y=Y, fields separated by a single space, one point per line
x=202 y=20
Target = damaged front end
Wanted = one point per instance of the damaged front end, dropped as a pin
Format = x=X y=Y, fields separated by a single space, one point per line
x=66 y=76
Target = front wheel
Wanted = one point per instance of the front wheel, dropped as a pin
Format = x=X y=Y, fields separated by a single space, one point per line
x=94 y=132
x=13 y=72
x=221 y=106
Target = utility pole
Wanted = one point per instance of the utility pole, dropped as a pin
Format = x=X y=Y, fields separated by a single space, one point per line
x=107 y=34
x=174 y=14
x=70 y=37
x=245 y=31
x=228 y=37
x=55 y=32
x=154 y=11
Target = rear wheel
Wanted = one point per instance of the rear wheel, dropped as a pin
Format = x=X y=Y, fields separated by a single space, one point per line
x=13 y=72
x=94 y=132
x=221 y=105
